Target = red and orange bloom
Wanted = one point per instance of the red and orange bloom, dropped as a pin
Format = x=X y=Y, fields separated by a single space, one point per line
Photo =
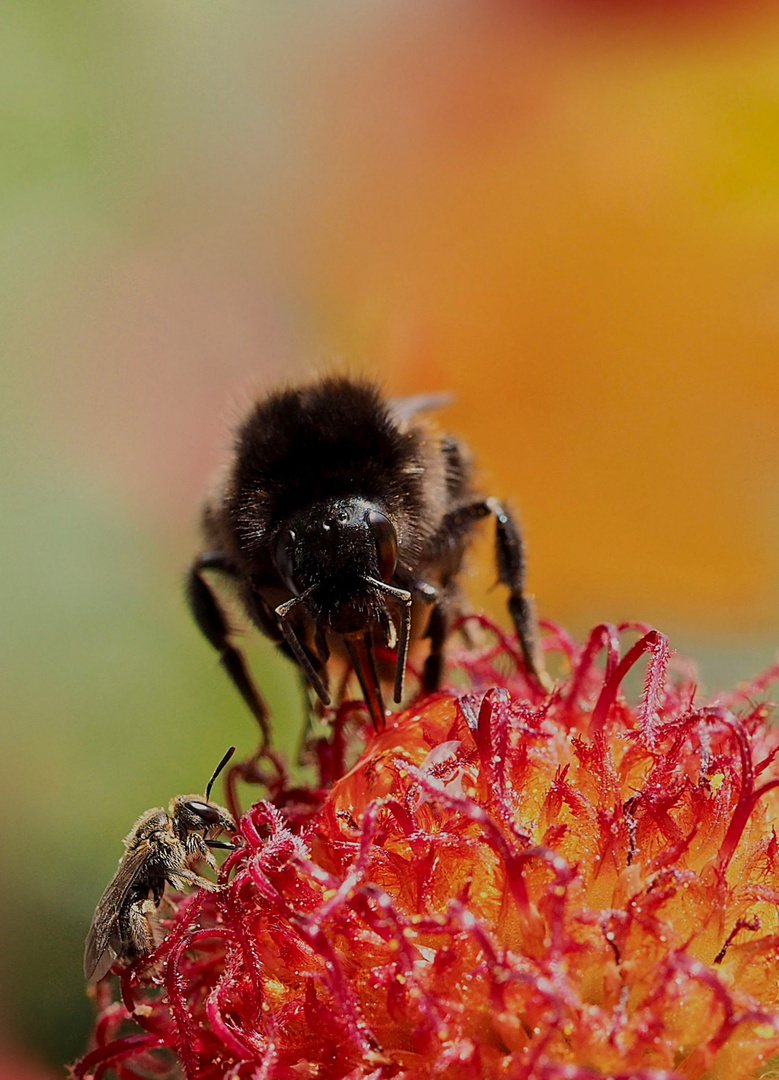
x=504 y=885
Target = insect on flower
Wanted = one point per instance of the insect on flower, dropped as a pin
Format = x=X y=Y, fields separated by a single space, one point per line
x=343 y=521
x=553 y=887
x=161 y=847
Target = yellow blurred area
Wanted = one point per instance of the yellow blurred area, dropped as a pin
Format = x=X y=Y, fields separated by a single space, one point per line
x=580 y=234
x=566 y=213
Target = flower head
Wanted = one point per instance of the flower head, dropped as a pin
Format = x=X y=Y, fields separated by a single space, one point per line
x=505 y=884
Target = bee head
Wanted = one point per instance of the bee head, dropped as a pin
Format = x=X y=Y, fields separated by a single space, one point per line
x=329 y=551
x=193 y=813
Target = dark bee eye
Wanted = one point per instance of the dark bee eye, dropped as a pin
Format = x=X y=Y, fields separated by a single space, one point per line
x=209 y=814
x=386 y=540
x=284 y=559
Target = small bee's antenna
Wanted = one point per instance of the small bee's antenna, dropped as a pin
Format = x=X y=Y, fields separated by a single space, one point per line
x=302 y=657
x=217 y=771
x=405 y=627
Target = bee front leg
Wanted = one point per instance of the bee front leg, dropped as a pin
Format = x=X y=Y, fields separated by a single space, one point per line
x=211 y=620
x=438 y=631
x=198 y=851
x=317 y=652
x=510 y=557
x=183 y=876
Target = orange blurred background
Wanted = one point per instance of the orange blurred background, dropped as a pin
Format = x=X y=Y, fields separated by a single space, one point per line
x=565 y=213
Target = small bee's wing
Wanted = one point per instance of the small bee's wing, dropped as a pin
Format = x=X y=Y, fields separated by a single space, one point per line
x=104 y=940
x=404 y=408
x=99 y=958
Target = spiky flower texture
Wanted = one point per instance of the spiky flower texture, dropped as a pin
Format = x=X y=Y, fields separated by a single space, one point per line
x=505 y=884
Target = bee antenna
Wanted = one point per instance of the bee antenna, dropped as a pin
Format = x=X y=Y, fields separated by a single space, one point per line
x=404 y=597
x=217 y=771
x=302 y=657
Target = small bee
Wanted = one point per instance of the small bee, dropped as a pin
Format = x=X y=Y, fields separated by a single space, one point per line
x=343 y=521
x=161 y=847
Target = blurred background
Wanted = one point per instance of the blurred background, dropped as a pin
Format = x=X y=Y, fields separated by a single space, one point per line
x=566 y=213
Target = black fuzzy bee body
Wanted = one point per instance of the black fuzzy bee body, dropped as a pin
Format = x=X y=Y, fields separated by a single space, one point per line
x=344 y=517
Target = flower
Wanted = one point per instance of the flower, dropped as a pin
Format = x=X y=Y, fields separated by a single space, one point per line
x=507 y=883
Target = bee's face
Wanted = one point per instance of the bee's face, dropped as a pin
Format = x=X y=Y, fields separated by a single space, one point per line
x=194 y=814
x=330 y=551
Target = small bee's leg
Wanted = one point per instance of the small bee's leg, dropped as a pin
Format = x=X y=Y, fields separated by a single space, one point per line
x=211 y=619
x=136 y=930
x=166 y=906
x=180 y=878
x=198 y=851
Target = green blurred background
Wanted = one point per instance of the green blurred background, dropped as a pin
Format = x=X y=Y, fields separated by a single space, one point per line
x=566 y=213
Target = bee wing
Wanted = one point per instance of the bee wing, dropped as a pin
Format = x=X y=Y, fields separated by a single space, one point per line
x=404 y=408
x=104 y=941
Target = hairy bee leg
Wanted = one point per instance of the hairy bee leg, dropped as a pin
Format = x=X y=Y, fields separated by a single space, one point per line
x=211 y=620
x=136 y=931
x=183 y=877
x=510 y=557
x=309 y=664
x=265 y=617
x=438 y=631
x=267 y=620
x=403 y=596
x=197 y=849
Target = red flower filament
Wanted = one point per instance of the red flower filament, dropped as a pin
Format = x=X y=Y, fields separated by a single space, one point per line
x=506 y=884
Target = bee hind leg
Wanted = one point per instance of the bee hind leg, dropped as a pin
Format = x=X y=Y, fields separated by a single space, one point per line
x=138 y=929
x=212 y=622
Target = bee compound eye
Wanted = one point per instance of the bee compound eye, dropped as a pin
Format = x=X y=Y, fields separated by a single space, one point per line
x=386 y=540
x=209 y=814
x=284 y=559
